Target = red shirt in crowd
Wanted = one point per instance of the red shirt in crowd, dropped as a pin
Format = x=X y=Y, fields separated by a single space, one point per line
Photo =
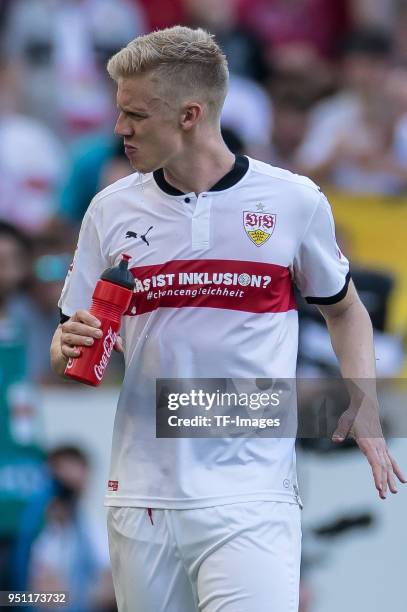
x=162 y=13
x=320 y=23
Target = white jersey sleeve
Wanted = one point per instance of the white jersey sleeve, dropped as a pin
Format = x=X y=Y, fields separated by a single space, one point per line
x=88 y=264
x=321 y=271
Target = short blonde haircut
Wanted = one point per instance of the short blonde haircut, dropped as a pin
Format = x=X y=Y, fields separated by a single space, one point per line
x=186 y=62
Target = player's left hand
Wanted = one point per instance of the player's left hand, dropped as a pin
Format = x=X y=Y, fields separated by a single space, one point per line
x=384 y=466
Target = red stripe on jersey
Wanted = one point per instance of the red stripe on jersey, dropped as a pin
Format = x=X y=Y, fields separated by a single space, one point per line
x=247 y=286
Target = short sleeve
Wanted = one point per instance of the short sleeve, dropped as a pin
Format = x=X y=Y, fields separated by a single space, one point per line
x=321 y=271
x=86 y=268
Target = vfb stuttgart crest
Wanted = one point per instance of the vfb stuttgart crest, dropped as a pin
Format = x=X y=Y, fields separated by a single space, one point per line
x=258 y=226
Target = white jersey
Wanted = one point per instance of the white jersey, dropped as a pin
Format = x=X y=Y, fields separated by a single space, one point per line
x=213 y=298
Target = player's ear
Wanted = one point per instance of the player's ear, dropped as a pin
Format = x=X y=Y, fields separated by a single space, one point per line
x=191 y=114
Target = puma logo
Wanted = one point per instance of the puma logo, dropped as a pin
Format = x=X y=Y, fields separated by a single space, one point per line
x=143 y=237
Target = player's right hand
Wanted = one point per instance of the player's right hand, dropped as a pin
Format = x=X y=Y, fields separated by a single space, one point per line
x=80 y=330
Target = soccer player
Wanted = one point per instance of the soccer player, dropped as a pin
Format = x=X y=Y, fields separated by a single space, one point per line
x=206 y=523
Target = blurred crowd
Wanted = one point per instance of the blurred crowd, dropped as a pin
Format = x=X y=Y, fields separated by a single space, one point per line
x=317 y=86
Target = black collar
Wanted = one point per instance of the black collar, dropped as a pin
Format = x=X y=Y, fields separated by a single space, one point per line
x=238 y=171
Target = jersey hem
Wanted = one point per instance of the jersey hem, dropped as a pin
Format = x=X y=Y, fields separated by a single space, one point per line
x=204 y=502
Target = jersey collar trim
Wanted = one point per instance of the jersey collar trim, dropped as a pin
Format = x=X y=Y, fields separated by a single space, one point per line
x=230 y=179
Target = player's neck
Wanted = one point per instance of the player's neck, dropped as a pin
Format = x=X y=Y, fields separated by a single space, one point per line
x=202 y=169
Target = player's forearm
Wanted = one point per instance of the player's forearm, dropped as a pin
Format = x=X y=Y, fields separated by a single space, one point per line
x=58 y=360
x=352 y=340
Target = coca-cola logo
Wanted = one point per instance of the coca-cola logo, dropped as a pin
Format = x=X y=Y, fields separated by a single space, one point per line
x=108 y=345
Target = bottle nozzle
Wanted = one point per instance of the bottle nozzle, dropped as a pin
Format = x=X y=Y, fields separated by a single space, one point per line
x=120 y=275
x=125 y=261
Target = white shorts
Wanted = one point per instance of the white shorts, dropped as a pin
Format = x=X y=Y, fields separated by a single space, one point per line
x=241 y=557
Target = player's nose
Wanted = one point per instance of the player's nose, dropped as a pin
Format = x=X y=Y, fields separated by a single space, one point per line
x=122 y=127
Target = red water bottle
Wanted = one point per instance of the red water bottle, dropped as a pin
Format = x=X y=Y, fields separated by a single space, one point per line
x=110 y=301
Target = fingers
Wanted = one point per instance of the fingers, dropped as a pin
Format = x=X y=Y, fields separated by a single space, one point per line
x=397 y=470
x=379 y=472
x=84 y=316
x=388 y=477
x=80 y=330
x=385 y=474
x=70 y=351
x=391 y=480
x=380 y=477
x=343 y=428
x=384 y=467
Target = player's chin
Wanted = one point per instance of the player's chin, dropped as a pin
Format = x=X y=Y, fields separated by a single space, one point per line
x=144 y=167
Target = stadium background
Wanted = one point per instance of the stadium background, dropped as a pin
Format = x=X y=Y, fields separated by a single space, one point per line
x=318 y=87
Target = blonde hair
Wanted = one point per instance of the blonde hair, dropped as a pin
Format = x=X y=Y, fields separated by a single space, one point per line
x=186 y=61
